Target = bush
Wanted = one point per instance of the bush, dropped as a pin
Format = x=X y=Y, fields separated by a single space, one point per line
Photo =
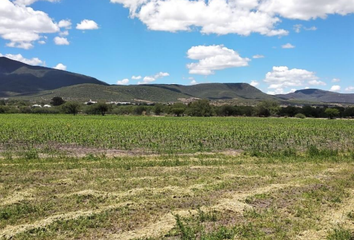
x=300 y=115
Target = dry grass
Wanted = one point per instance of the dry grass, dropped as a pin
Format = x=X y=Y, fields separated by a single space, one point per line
x=139 y=197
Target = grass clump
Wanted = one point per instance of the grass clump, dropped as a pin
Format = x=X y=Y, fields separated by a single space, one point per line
x=340 y=234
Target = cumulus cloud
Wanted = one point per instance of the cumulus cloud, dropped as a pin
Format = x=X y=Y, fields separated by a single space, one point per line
x=306 y=9
x=212 y=58
x=335 y=80
x=65 y=24
x=349 y=89
x=87 y=25
x=136 y=77
x=214 y=16
x=150 y=79
x=231 y=16
x=288 y=46
x=335 y=88
x=60 y=66
x=123 y=82
x=254 y=83
x=20 y=58
x=61 y=41
x=21 y=25
x=282 y=77
x=258 y=56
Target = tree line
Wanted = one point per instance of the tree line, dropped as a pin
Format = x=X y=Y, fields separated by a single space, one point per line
x=199 y=108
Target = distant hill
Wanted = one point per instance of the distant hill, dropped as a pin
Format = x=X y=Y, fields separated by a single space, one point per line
x=40 y=83
x=317 y=95
x=17 y=78
x=218 y=91
x=156 y=92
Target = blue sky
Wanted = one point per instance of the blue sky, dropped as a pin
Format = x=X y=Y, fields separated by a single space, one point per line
x=276 y=45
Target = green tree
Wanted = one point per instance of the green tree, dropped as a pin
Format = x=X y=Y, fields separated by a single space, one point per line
x=98 y=108
x=71 y=108
x=57 y=101
x=200 y=108
x=158 y=109
x=332 y=113
x=267 y=108
x=177 y=109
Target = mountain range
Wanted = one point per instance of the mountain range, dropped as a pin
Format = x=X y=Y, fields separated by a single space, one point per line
x=19 y=80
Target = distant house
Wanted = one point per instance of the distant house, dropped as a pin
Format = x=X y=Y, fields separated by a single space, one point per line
x=123 y=103
x=36 y=106
x=47 y=106
x=90 y=102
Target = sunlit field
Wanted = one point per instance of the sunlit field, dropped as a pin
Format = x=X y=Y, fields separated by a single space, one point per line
x=91 y=177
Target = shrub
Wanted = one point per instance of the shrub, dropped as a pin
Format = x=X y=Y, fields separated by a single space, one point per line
x=300 y=115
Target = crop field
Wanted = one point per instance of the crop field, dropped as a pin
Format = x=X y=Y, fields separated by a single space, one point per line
x=85 y=177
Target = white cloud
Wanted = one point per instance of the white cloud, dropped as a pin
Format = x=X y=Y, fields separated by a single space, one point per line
x=310 y=28
x=282 y=77
x=254 y=83
x=65 y=24
x=306 y=9
x=20 y=58
x=258 y=56
x=193 y=82
x=123 y=82
x=150 y=79
x=214 y=16
x=65 y=33
x=22 y=25
x=212 y=58
x=335 y=88
x=60 y=66
x=87 y=25
x=136 y=77
x=231 y=16
x=29 y=2
x=335 y=80
x=42 y=42
x=349 y=89
x=288 y=46
x=297 y=28
x=61 y=41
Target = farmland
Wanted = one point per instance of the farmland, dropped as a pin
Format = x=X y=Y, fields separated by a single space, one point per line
x=90 y=177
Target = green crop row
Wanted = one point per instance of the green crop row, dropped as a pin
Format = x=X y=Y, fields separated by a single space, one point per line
x=178 y=135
